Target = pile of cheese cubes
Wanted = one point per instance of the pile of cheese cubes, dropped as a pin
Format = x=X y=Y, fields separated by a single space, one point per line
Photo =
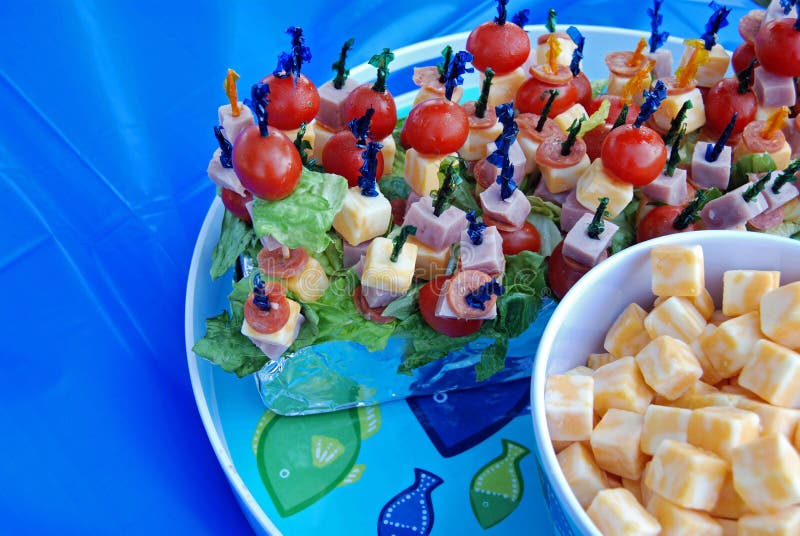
x=688 y=424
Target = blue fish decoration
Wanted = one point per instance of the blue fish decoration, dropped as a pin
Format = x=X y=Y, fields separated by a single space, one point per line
x=410 y=512
x=457 y=421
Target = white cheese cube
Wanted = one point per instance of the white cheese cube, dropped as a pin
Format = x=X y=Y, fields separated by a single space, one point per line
x=620 y=385
x=662 y=422
x=615 y=443
x=616 y=511
x=584 y=476
x=695 y=117
x=742 y=290
x=668 y=366
x=678 y=271
x=389 y=150
x=362 y=217
x=785 y=522
x=382 y=273
x=730 y=346
x=627 y=335
x=478 y=140
x=595 y=361
x=766 y=473
x=581 y=371
x=677 y=318
x=773 y=373
x=598 y=182
x=773 y=419
x=720 y=430
x=780 y=315
x=568 y=407
x=504 y=86
x=729 y=504
x=564 y=57
x=677 y=521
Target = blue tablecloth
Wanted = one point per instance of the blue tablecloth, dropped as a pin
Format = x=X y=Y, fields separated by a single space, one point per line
x=106 y=113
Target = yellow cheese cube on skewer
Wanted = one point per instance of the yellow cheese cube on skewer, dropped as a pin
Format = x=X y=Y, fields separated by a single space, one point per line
x=742 y=289
x=663 y=422
x=783 y=523
x=505 y=86
x=678 y=270
x=766 y=473
x=668 y=366
x=598 y=182
x=573 y=113
x=568 y=407
x=616 y=511
x=310 y=284
x=582 y=473
x=615 y=443
x=773 y=373
x=780 y=315
x=422 y=171
x=677 y=318
x=362 y=217
x=627 y=335
x=720 y=430
x=382 y=273
x=620 y=385
x=730 y=346
x=675 y=520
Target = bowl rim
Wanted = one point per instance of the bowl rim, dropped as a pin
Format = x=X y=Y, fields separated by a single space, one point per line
x=547 y=455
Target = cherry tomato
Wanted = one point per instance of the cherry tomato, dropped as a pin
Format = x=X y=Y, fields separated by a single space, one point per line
x=742 y=56
x=235 y=204
x=436 y=126
x=531 y=97
x=404 y=139
x=268 y=166
x=594 y=140
x=777 y=47
x=526 y=238
x=560 y=275
x=584 y=87
x=290 y=104
x=452 y=327
x=373 y=314
x=362 y=99
x=614 y=109
x=503 y=47
x=342 y=157
x=723 y=100
x=635 y=155
x=659 y=222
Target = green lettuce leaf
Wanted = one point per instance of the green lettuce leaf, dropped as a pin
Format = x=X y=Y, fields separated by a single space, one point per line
x=787 y=228
x=686 y=151
x=545 y=208
x=406 y=305
x=398 y=167
x=235 y=237
x=331 y=258
x=750 y=163
x=548 y=231
x=493 y=359
x=464 y=197
x=599 y=87
x=525 y=285
x=304 y=218
x=425 y=345
x=626 y=234
x=394 y=187
x=225 y=346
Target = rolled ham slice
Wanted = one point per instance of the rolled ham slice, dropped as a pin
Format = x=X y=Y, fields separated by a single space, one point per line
x=732 y=210
x=773 y=89
x=543 y=192
x=436 y=232
x=352 y=254
x=571 y=212
x=222 y=176
x=487 y=256
x=663 y=58
x=768 y=219
x=666 y=189
x=707 y=174
x=376 y=297
x=331 y=104
x=582 y=248
x=511 y=211
x=234 y=125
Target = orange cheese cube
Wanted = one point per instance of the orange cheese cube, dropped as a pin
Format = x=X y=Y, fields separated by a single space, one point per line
x=720 y=430
x=598 y=182
x=627 y=335
x=703 y=302
x=668 y=366
x=422 y=171
x=742 y=290
x=783 y=523
x=710 y=375
x=581 y=370
x=584 y=476
x=615 y=443
x=389 y=151
x=677 y=521
x=780 y=315
x=729 y=504
x=766 y=473
x=430 y=262
x=663 y=422
x=730 y=346
x=773 y=419
x=616 y=511
x=558 y=446
x=647 y=493
x=620 y=385
x=796 y=438
x=773 y=374
x=568 y=407
x=595 y=361
x=686 y=475
x=678 y=270
x=676 y=317
x=565 y=118
x=686 y=400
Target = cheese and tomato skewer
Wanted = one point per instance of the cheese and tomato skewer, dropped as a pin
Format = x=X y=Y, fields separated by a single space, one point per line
x=332 y=94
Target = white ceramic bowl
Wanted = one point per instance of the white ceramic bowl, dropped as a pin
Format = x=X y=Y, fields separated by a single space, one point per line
x=580 y=322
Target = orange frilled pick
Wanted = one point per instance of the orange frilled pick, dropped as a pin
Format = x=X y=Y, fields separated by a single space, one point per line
x=230 y=89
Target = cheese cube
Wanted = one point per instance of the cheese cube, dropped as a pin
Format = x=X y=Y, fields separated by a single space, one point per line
x=677 y=318
x=720 y=399
x=381 y=273
x=563 y=179
x=668 y=366
x=634 y=486
x=678 y=270
x=584 y=476
x=598 y=182
x=718 y=318
x=595 y=361
x=766 y=473
x=695 y=117
x=676 y=521
x=568 y=407
x=389 y=150
x=620 y=385
x=422 y=171
x=703 y=302
x=615 y=443
x=310 y=284
x=720 y=430
x=573 y=113
x=796 y=438
x=647 y=493
x=662 y=422
x=712 y=71
x=780 y=315
x=581 y=371
x=478 y=140
x=529 y=146
x=710 y=375
x=730 y=346
x=559 y=446
x=616 y=511
x=739 y=390
x=686 y=475
x=564 y=58
x=773 y=419
x=616 y=83
x=627 y=335
x=362 y=217
x=791 y=210
x=783 y=523
x=274 y=344
x=430 y=262
x=781 y=156
x=686 y=400
x=773 y=373
x=505 y=86
x=322 y=135
x=742 y=289
x=729 y=504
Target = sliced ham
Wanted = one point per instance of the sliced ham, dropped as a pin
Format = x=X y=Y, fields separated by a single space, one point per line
x=663 y=58
x=511 y=211
x=376 y=297
x=352 y=254
x=767 y=219
x=486 y=173
x=436 y=232
x=543 y=192
x=222 y=176
x=773 y=90
x=666 y=189
x=786 y=193
x=571 y=212
x=707 y=174
x=732 y=210
x=331 y=104
x=413 y=197
x=583 y=249
x=791 y=130
x=234 y=125
x=487 y=256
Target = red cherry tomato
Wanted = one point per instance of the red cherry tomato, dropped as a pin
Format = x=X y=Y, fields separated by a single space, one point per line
x=723 y=100
x=659 y=222
x=268 y=166
x=614 y=109
x=503 y=47
x=561 y=276
x=398 y=210
x=452 y=327
x=594 y=140
x=362 y=99
x=235 y=204
x=635 y=155
x=526 y=238
x=342 y=157
x=743 y=55
x=584 y=87
x=290 y=104
x=777 y=47
x=531 y=97
x=436 y=126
